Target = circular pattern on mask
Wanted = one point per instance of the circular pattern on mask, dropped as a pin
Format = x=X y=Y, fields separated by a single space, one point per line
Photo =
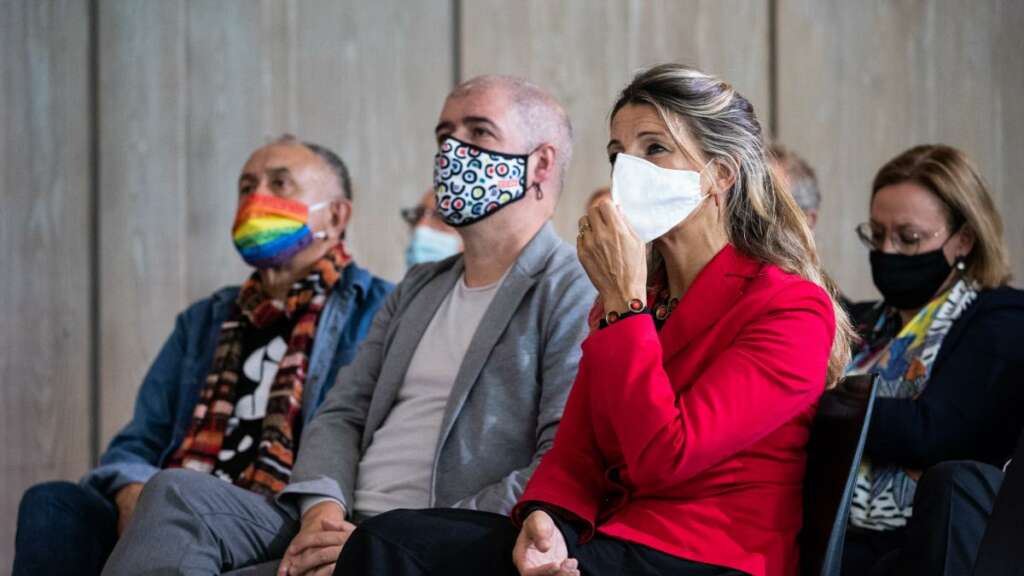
x=475 y=181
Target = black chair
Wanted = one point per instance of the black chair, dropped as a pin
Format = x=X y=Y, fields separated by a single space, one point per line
x=833 y=456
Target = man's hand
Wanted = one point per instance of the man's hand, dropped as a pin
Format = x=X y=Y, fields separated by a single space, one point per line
x=316 y=547
x=126 y=499
x=540 y=549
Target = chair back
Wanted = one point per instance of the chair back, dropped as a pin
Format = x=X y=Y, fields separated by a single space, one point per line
x=834 y=452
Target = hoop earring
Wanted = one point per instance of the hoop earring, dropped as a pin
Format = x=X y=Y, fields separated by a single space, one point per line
x=540 y=191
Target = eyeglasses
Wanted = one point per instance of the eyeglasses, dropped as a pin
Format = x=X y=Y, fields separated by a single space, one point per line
x=905 y=240
x=413 y=214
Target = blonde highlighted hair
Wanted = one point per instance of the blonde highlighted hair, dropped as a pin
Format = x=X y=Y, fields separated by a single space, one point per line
x=947 y=173
x=762 y=218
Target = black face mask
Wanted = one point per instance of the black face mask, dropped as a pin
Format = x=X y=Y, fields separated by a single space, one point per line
x=909 y=282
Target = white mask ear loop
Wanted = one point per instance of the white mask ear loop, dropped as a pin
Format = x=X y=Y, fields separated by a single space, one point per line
x=321 y=235
x=713 y=186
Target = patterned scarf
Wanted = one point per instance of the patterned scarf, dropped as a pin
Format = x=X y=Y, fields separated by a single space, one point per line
x=903 y=359
x=270 y=471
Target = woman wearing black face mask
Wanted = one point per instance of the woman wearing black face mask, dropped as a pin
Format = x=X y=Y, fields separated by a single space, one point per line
x=943 y=342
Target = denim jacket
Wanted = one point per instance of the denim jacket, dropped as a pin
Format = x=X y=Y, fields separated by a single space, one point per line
x=170 y=390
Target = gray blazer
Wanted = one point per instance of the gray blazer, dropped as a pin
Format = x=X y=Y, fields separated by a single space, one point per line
x=507 y=398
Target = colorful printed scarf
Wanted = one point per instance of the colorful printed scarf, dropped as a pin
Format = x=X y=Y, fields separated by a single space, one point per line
x=270 y=471
x=903 y=359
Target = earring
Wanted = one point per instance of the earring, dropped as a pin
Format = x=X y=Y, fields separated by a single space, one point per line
x=960 y=265
x=540 y=191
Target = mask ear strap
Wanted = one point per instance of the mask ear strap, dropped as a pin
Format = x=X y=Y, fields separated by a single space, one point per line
x=322 y=234
x=712 y=194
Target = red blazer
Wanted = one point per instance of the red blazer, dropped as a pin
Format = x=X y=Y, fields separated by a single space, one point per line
x=691 y=440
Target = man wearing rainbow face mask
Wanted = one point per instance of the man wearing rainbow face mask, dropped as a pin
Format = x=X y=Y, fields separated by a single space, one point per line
x=243 y=371
x=456 y=393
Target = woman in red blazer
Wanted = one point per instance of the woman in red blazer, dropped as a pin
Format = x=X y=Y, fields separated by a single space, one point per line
x=681 y=450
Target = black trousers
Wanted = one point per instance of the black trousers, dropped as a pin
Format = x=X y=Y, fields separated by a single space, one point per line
x=453 y=542
x=951 y=509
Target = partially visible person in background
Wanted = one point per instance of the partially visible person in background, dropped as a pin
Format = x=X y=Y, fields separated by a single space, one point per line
x=241 y=374
x=943 y=342
x=799 y=177
x=598 y=196
x=430 y=239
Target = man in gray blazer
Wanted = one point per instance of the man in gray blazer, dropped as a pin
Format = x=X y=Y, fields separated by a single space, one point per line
x=455 y=394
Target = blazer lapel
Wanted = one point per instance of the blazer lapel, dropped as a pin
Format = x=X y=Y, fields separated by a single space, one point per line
x=415 y=318
x=715 y=290
x=521 y=278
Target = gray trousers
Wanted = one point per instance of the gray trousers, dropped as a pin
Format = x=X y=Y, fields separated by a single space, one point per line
x=192 y=523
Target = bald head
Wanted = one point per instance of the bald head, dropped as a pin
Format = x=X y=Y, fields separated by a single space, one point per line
x=536 y=114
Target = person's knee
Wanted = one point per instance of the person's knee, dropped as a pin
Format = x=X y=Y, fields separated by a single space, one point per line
x=959 y=473
x=389 y=522
x=174 y=480
x=959 y=477
x=49 y=493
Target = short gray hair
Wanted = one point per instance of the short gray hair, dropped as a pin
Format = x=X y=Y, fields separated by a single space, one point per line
x=541 y=114
x=334 y=162
x=802 y=181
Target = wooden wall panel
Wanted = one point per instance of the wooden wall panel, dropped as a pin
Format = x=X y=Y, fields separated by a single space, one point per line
x=234 y=96
x=585 y=51
x=45 y=240
x=861 y=82
x=369 y=80
x=142 y=192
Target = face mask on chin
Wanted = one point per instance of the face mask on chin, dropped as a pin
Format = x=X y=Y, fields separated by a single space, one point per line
x=654 y=199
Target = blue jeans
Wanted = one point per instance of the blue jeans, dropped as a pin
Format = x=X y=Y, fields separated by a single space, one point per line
x=63 y=528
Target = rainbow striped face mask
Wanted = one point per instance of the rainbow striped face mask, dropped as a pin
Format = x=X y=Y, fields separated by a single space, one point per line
x=270 y=230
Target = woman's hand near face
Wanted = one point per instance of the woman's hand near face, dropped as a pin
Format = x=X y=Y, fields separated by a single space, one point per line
x=613 y=256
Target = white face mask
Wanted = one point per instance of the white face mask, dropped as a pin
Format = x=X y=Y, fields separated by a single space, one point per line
x=654 y=199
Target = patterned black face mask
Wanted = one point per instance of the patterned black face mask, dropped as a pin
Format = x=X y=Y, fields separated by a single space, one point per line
x=471 y=183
